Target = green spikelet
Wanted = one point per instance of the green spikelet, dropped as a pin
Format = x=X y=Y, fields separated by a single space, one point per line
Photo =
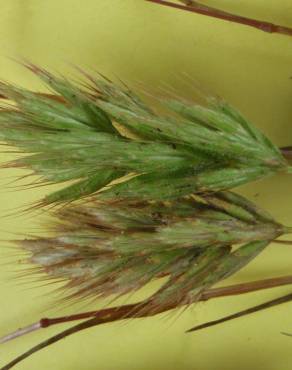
x=113 y=248
x=79 y=135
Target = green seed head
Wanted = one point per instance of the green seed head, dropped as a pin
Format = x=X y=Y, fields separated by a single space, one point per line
x=97 y=135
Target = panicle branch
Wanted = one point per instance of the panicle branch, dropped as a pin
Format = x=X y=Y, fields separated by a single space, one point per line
x=197 y=7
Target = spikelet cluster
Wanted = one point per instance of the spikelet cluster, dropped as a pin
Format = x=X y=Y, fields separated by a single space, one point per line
x=78 y=134
x=113 y=248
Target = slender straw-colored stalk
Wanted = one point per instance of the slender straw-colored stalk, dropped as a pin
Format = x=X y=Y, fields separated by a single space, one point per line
x=287 y=152
x=196 y=7
x=260 y=307
x=136 y=310
x=208 y=294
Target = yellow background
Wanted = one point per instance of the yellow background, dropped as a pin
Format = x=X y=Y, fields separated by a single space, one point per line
x=144 y=43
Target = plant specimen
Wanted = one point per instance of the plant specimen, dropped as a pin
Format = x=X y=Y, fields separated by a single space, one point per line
x=158 y=204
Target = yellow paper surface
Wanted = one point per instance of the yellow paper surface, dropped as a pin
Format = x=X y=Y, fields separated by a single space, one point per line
x=155 y=47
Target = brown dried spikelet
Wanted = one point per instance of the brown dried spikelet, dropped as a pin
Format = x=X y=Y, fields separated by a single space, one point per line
x=113 y=248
